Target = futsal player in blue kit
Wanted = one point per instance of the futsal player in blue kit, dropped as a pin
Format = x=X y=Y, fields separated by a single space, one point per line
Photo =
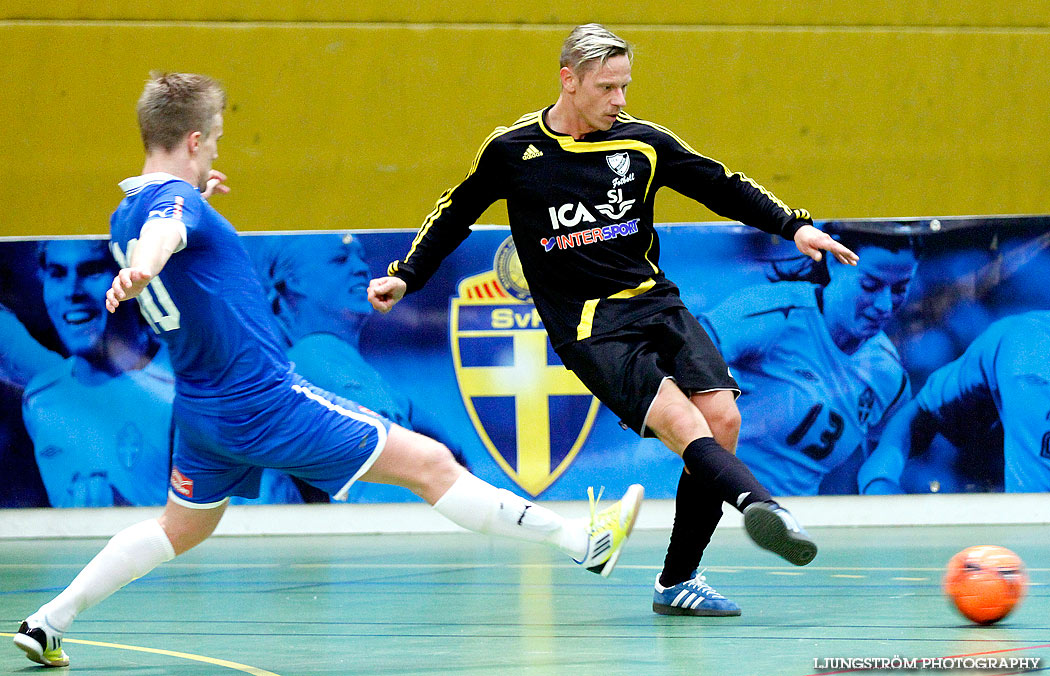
x=1003 y=378
x=813 y=349
x=238 y=405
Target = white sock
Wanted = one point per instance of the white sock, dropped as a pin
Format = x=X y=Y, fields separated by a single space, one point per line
x=481 y=507
x=128 y=555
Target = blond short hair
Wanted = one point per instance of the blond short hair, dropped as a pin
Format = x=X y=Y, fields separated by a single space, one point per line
x=175 y=104
x=591 y=45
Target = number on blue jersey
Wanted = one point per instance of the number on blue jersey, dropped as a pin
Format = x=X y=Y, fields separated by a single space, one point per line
x=154 y=302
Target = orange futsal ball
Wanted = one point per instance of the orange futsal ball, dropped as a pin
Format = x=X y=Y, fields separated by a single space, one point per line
x=985 y=582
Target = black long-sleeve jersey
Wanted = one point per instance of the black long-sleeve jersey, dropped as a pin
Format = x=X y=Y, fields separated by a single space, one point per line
x=581 y=214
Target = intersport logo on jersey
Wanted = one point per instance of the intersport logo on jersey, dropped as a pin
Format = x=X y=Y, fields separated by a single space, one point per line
x=589 y=236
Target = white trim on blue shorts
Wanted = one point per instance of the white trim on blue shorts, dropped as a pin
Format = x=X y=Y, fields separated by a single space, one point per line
x=380 y=431
x=174 y=497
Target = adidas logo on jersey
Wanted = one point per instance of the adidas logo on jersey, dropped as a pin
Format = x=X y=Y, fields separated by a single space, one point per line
x=532 y=152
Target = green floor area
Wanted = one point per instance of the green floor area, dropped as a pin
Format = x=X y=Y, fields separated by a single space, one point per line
x=462 y=604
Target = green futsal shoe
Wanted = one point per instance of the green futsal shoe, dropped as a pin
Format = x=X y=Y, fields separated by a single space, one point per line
x=609 y=530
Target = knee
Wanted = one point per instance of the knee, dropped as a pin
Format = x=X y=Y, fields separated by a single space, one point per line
x=672 y=415
x=185 y=529
x=436 y=463
x=725 y=424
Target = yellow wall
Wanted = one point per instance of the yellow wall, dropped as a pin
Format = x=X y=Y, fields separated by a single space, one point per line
x=358 y=117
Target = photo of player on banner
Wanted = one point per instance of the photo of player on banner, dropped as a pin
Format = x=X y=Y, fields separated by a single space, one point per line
x=810 y=344
x=881 y=376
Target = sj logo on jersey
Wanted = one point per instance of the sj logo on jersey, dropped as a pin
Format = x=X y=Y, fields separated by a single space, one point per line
x=531 y=413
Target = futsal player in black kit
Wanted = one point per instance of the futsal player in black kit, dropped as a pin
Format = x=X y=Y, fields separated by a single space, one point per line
x=580 y=178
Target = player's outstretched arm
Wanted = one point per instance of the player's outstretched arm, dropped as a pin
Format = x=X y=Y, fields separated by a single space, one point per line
x=22 y=357
x=157 y=241
x=881 y=472
x=385 y=292
x=812 y=241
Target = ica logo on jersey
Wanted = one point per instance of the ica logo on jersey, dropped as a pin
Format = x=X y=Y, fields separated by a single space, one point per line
x=570 y=215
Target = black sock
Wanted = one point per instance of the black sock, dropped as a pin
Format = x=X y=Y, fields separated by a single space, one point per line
x=719 y=470
x=696 y=515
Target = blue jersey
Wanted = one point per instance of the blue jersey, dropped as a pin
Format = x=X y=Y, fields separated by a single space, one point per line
x=1003 y=376
x=206 y=304
x=806 y=405
x=238 y=407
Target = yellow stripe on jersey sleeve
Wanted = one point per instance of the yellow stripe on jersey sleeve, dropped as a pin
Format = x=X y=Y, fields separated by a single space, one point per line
x=446 y=197
x=624 y=117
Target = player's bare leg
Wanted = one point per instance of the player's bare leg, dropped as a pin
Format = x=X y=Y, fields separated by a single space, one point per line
x=427 y=468
x=720 y=411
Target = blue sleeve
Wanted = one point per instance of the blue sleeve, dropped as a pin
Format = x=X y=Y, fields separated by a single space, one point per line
x=179 y=201
x=963 y=381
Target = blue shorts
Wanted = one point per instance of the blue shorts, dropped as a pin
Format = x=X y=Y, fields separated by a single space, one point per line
x=323 y=439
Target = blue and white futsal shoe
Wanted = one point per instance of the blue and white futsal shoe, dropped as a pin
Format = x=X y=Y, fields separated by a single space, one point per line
x=692 y=597
x=41 y=643
x=772 y=527
x=609 y=530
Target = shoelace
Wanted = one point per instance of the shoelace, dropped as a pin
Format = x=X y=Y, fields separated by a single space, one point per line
x=605 y=518
x=700 y=583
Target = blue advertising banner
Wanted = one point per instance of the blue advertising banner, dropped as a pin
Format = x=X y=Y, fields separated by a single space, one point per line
x=923 y=369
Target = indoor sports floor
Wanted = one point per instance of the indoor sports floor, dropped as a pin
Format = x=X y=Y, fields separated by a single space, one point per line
x=454 y=604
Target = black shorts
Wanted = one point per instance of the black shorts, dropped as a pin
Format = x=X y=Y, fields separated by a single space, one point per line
x=625 y=368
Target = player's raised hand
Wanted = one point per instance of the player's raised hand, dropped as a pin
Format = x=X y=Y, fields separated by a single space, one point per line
x=216 y=184
x=128 y=283
x=812 y=241
x=384 y=292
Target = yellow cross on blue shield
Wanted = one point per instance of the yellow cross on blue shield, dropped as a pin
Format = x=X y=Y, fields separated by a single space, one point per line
x=531 y=413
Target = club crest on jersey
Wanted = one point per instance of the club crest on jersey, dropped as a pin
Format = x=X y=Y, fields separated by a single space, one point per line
x=530 y=412
x=619 y=162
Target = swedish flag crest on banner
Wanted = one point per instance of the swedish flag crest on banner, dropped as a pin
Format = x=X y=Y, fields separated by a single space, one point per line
x=532 y=414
